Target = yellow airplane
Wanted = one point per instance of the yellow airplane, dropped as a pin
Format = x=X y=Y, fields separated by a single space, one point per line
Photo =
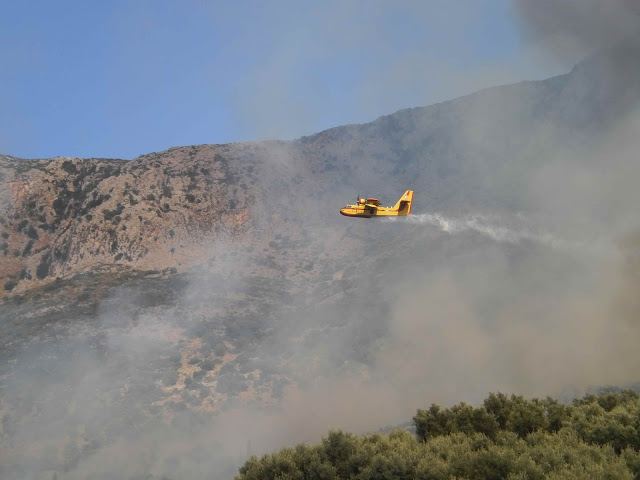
x=370 y=207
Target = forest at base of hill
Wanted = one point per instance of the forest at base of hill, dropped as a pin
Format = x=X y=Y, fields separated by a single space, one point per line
x=507 y=437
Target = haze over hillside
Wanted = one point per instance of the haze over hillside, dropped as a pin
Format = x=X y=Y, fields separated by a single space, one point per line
x=65 y=216
x=166 y=314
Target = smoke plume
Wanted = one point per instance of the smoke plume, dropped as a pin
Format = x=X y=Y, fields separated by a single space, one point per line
x=575 y=28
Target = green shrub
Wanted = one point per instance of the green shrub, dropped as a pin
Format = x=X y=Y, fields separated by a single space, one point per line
x=508 y=437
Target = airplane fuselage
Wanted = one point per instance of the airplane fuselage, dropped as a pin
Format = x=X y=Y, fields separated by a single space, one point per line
x=364 y=212
x=370 y=207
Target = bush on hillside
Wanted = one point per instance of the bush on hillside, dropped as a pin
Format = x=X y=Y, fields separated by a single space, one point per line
x=508 y=437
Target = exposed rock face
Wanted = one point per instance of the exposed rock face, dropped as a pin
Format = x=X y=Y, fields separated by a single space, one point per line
x=67 y=215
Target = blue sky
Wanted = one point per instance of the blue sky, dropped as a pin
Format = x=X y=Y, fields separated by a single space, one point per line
x=122 y=78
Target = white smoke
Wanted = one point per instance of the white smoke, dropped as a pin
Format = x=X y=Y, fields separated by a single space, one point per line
x=492 y=227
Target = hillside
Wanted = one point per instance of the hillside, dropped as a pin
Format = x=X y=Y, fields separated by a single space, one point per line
x=211 y=295
x=161 y=211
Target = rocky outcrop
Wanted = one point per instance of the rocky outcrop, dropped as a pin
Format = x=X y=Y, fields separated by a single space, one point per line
x=63 y=216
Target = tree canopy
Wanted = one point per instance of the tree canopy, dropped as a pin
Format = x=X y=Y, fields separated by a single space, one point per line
x=507 y=437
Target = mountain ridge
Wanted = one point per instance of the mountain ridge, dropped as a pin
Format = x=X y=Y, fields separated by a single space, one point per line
x=453 y=153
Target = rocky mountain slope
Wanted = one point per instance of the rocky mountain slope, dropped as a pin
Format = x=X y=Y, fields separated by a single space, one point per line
x=65 y=216
x=150 y=298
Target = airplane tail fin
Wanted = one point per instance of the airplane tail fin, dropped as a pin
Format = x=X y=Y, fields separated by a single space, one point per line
x=403 y=206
